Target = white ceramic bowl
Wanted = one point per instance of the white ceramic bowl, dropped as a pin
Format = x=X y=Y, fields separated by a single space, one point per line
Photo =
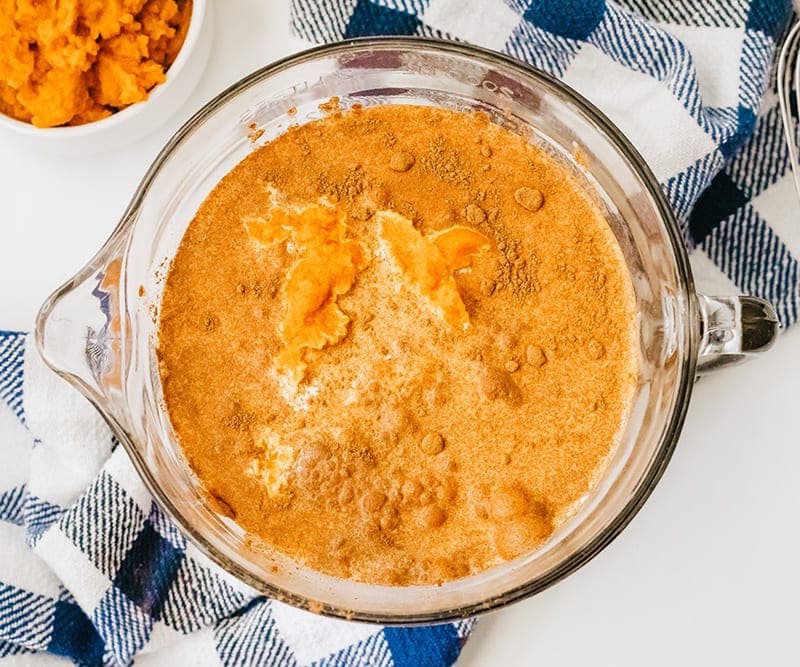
x=137 y=120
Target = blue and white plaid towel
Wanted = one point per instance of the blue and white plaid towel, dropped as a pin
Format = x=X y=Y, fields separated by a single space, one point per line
x=90 y=569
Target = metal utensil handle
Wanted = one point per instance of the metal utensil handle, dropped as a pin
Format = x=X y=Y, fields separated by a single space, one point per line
x=788 y=78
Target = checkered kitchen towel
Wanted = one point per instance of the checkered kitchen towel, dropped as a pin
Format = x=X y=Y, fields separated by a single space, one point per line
x=90 y=568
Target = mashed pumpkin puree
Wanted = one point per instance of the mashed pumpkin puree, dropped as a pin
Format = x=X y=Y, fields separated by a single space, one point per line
x=69 y=62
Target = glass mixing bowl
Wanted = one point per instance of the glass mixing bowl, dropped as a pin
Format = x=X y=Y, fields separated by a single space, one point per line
x=99 y=330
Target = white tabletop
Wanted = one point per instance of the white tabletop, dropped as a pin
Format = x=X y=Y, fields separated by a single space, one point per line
x=708 y=573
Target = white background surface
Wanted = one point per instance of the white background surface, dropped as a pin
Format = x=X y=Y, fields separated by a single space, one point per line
x=707 y=574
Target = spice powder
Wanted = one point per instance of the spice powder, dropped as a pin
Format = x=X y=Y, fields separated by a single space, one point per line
x=397 y=344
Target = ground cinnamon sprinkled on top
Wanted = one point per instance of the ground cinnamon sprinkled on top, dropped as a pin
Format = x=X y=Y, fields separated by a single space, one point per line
x=455 y=401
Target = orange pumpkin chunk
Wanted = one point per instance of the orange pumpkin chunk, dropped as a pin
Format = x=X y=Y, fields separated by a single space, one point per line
x=326 y=268
x=428 y=262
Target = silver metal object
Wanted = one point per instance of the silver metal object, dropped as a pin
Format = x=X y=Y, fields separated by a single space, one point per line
x=788 y=85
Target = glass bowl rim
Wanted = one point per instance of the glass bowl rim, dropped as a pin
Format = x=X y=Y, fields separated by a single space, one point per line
x=673 y=424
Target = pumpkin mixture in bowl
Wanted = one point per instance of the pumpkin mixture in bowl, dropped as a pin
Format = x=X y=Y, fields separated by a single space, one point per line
x=398 y=344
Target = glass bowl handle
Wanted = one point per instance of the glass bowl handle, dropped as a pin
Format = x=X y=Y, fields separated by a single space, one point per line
x=733 y=328
x=80 y=334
